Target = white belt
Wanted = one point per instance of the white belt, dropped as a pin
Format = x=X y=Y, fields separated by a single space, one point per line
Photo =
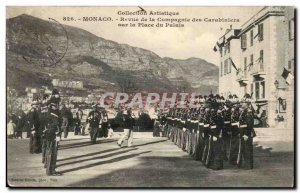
x=213 y=126
x=207 y=125
x=182 y=121
x=226 y=122
x=172 y=119
x=243 y=126
x=188 y=119
x=201 y=124
x=233 y=124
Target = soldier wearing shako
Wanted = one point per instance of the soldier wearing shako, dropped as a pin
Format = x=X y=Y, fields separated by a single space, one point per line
x=234 y=138
x=104 y=124
x=188 y=131
x=246 y=135
x=184 y=132
x=194 y=132
x=214 y=158
x=200 y=139
x=44 y=117
x=52 y=133
x=94 y=121
x=205 y=136
x=35 y=143
x=227 y=134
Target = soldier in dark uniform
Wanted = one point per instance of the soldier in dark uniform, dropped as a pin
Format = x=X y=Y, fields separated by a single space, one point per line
x=205 y=136
x=246 y=134
x=199 y=138
x=188 y=128
x=44 y=124
x=234 y=137
x=104 y=124
x=78 y=125
x=227 y=134
x=52 y=133
x=94 y=119
x=214 y=158
x=194 y=133
x=35 y=144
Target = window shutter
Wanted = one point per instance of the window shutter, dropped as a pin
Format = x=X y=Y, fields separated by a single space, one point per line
x=244 y=41
x=261 y=32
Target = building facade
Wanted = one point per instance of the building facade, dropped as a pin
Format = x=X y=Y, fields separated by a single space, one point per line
x=252 y=60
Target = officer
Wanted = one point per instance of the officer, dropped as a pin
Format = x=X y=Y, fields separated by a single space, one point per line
x=35 y=145
x=44 y=117
x=214 y=158
x=227 y=134
x=205 y=134
x=104 y=124
x=194 y=133
x=234 y=138
x=52 y=134
x=246 y=135
x=163 y=125
x=199 y=134
x=94 y=121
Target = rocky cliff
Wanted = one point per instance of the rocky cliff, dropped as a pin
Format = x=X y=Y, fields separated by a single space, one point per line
x=40 y=50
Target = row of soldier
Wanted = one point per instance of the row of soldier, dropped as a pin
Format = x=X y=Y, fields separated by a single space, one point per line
x=214 y=132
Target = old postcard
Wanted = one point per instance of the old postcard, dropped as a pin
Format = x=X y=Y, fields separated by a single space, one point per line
x=150 y=97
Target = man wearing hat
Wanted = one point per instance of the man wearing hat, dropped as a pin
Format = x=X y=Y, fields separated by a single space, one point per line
x=205 y=134
x=246 y=135
x=200 y=139
x=52 y=133
x=214 y=158
x=35 y=135
x=94 y=121
x=227 y=134
x=128 y=128
x=234 y=138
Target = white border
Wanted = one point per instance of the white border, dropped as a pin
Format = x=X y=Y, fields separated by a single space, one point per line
x=5 y=3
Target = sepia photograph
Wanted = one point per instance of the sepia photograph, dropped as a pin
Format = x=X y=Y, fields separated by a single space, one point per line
x=150 y=96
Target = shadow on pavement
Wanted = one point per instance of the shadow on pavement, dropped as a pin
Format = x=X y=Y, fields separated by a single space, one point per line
x=82 y=144
x=98 y=157
x=271 y=169
x=105 y=162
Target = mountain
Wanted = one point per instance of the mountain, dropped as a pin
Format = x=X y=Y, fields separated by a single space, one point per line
x=40 y=50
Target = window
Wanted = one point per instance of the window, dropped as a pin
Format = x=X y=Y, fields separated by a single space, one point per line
x=261 y=60
x=260 y=32
x=262 y=89
x=291 y=29
x=221 y=70
x=244 y=41
x=228 y=47
x=259 y=89
x=251 y=38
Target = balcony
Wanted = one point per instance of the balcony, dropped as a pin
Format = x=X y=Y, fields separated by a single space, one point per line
x=257 y=70
x=242 y=78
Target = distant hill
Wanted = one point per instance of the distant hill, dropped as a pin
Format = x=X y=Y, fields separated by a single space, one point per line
x=33 y=44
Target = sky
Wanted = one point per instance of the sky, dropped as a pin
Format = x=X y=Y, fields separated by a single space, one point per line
x=195 y=39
